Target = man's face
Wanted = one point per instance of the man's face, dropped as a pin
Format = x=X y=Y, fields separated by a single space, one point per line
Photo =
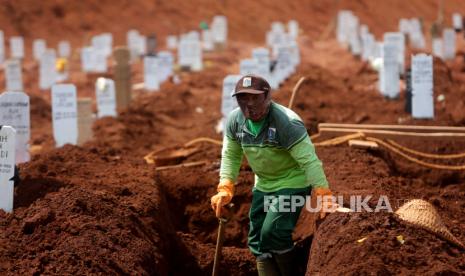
x=253 y=106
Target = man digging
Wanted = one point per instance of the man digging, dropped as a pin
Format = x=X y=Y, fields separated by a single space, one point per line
x=282 y=157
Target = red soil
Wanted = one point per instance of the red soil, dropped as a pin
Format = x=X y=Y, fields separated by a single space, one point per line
x=101 y=209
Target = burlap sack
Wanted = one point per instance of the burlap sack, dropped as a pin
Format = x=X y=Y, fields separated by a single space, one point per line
x=423 y=214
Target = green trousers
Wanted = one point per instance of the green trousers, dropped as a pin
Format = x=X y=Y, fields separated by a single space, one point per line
x=273 y=218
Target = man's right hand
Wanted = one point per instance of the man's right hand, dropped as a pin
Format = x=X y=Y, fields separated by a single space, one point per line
x=223 y=197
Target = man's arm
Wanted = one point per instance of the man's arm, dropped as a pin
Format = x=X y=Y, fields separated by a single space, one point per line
x=231 y=159
x=304 y=154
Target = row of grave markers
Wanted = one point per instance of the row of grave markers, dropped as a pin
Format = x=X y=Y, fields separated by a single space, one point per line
x=72 y=124
x=14 y=104
x=284 y=55
x=388 y=57
x=39 y=46
x=94 y=56
x=72 y=118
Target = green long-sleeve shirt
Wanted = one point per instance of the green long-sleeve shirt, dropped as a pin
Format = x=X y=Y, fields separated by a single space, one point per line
x=281 y=155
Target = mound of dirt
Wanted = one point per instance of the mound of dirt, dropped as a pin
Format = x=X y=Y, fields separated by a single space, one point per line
x=33 y=20
x=81 y=211
x=370 y=244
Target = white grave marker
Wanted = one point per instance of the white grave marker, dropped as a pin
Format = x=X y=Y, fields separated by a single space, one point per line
x=39 y=46
x=275 y=37
x=262 y=59
x=13 y=75
x=107 y=42
x=64 y=49
x=391 y=87
x=166 y=62
x=354 y=37
x=295 y=54
x=151 y=70
x=7 y=167
x=228 y=103
x=190 y=53
x=364 y=30
x=132 y=40
x=404 y=26
x=219 y=29
x=293 y=28
x=248 y=66
x=283 y=67
x=14 y=112
x=417 y=39
x=397 y=39
x=368 y=46
x=106 y=99
x=99 y=61
x=17 y=47
x=448 y=44
x=2 y=48
x=184 y=58
x=137 y=44
x=422 y=86
x=342 y=31
x=437 y=47
x=87 y=59
x=278 y=27
x=103 y=42
x=457 y=21
x=172 y=42
x=64 y=112
x=47 y=72
x=207 y=40
x=142 y=45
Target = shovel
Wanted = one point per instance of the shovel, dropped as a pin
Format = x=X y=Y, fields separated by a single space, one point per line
x=220 y=239
x=219 y=245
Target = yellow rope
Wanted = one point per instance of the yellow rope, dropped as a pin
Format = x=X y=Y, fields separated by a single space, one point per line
x=203 y=139
x=396 y=148
x=294 y=92
x=315 y=136
x=339 y=140
x=415 y=160
x=427 y=155
x=330 y=142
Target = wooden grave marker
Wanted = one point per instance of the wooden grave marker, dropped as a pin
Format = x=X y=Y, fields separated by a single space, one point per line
x=122 y=77
x=85 y=119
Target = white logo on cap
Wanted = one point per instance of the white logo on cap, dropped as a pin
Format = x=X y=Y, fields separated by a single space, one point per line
x=247 y=82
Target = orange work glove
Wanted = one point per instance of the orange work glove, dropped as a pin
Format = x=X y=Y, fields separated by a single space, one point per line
x=325 y=196
x=223 y=197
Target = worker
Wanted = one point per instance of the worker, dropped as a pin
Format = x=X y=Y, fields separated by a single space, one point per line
x=278 y=149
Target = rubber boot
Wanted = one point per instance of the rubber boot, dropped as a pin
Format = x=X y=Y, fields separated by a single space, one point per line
x=285 y=263
x=266 y=266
